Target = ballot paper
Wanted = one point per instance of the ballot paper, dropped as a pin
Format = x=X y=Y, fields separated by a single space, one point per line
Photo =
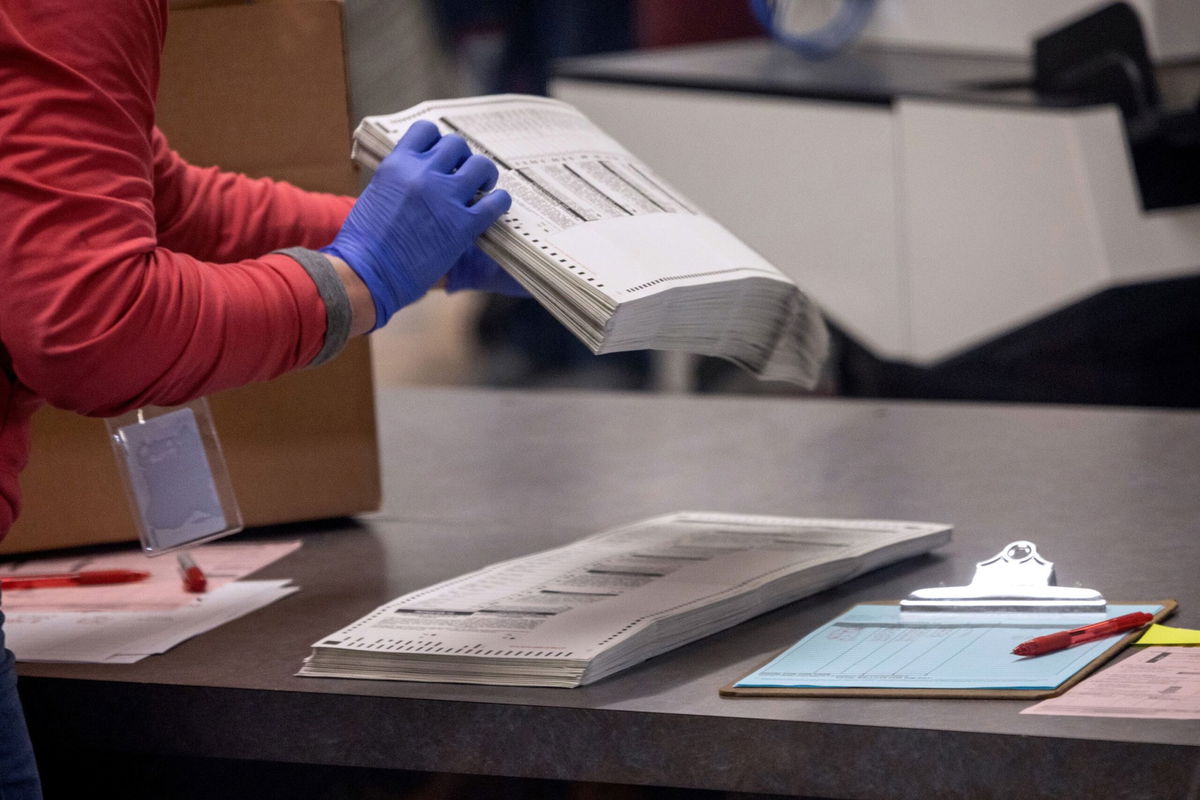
x=619 y=256
x=574 y=614
x=1155 y=683
x=123 y=637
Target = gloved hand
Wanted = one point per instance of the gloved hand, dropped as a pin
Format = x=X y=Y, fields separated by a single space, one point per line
x=475 y=269
x=417 y=216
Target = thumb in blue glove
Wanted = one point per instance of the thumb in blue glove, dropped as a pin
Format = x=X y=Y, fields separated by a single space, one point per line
x=419 y=214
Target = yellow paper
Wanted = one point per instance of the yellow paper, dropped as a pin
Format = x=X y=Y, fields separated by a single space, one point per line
x=1165 y=634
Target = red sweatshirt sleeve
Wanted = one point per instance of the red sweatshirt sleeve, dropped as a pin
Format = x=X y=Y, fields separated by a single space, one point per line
x=224 y=216
x=96 y=313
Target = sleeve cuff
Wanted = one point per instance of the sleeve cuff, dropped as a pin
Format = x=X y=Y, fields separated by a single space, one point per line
x=333 y=293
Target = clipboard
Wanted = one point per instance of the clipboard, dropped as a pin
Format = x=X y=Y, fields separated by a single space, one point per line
x=1166 y=608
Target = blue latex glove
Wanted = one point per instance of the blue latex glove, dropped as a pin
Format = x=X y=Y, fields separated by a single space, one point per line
x=418 y=216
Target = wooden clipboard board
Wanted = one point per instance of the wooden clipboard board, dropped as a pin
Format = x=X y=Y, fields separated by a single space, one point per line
x=732 y=690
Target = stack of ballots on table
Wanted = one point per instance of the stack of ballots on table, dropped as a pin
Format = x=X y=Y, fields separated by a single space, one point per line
x=621 y=258
x=574 y=614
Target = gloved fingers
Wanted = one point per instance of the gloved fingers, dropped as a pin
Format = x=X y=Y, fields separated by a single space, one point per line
x=475 y=269
x=489 y=208
x=449 y=153
x=469 y=269
x=477 y=174
x=419 y=137
x=505 y=284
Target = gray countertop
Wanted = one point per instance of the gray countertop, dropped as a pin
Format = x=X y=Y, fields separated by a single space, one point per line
x=472 y=477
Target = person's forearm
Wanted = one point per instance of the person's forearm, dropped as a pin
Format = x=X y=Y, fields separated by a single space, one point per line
x=221 y=216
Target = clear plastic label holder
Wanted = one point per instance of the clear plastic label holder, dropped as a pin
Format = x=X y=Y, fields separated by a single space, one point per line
x=174 y=474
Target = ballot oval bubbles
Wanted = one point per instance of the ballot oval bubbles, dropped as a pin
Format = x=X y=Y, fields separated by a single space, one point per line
x=174 y=473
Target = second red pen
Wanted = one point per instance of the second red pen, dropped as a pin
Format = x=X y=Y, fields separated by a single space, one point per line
x=92 y=577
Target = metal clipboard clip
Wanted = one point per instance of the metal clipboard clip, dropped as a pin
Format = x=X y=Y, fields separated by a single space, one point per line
x=1015 y=579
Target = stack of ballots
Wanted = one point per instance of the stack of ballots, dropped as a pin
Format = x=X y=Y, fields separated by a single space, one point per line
x=622 y=259
x=572 y=615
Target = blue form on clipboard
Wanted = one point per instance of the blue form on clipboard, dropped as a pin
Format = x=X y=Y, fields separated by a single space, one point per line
x=874 y=647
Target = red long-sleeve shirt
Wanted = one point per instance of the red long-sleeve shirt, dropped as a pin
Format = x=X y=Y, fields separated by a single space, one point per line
x=109 y=295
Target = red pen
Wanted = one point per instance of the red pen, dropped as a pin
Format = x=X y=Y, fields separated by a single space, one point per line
x=194 y=579
x=1063 y=639
x=91 y=577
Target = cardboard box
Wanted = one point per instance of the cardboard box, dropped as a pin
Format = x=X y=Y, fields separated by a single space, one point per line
x=259 y=89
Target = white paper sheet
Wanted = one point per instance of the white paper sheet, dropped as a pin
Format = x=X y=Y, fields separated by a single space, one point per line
x=123 y=637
